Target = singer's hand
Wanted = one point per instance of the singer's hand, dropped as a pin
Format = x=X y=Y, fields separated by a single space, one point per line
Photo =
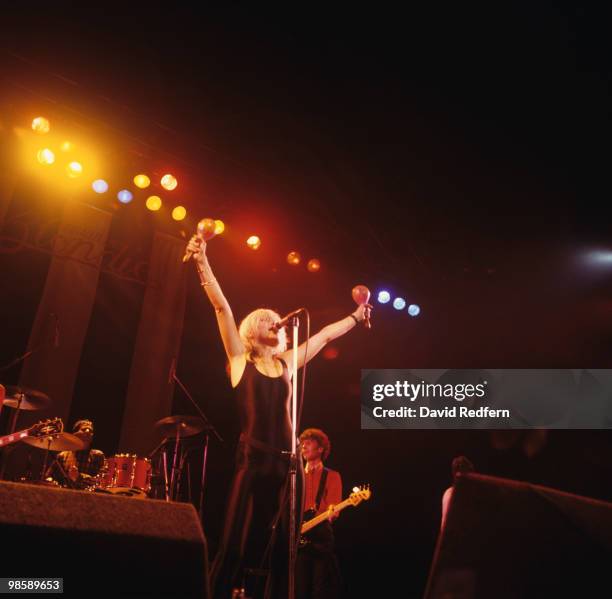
x=198 y=246
x=363 y=311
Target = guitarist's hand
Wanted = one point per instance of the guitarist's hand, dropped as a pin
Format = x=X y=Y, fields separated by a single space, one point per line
x=332 y=513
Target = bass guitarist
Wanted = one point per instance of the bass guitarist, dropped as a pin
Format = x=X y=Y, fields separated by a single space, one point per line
x=317 y=572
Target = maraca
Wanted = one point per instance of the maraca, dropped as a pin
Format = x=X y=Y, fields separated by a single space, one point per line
x=361 y=295
x=205 y=231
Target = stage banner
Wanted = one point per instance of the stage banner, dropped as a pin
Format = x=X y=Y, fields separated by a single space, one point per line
x=62 y=318
x=486 y=399
x=150 y=387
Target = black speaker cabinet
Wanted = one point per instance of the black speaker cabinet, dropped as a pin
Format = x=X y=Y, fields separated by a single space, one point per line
x=507 y=539
x=102 y=545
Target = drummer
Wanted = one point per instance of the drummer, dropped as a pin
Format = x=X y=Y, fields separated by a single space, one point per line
x=78 y=469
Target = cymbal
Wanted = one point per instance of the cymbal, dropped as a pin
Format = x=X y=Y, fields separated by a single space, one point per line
x=185 y=425
x=30 y=398
x=57 y=442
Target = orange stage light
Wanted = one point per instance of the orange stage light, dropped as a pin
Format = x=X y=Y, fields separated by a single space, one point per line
x=67 y=146
x=313 y=265
x=142 y=181
x=294 y=258
x=41 y=125
x=45 y=156
x=254 y=242
x=153 y=203
x=169 y=182
x=179 y=213
x=74 y=170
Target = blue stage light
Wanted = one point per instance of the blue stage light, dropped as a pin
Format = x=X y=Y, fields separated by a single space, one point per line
x=100 y=186
x=125 y=196
x=383 y=297
x=414 y=310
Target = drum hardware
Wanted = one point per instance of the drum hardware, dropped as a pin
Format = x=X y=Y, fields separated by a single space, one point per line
x=21 y=398
x=175 y=428
x=54 y=442
x=207 y=429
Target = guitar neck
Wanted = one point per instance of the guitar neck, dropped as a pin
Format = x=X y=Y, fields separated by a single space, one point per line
x=18 y=436
x=321 y=517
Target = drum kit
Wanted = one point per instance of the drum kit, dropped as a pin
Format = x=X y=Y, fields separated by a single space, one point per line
x=123 y=474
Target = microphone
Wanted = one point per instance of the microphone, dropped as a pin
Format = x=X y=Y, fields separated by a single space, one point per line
x=281 y=323
x=172 y=371
x=204 y=231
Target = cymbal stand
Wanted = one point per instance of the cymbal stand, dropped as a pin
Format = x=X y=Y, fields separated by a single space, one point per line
x=12 y=426
x=166 y=487
x=15 y=414
x=162 y=464
x=209 y=427
x=174 y=468
x=44 y=466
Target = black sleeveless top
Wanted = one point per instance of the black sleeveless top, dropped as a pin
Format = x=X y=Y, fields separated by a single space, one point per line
x=263 y=405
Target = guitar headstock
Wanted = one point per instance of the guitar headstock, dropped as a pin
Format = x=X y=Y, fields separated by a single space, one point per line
x=360 y=494
x=50 y=426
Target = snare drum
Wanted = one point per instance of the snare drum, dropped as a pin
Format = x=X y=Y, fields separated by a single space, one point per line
x=126 y=474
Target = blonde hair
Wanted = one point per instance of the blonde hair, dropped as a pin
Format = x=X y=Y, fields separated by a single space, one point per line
x=248 y=331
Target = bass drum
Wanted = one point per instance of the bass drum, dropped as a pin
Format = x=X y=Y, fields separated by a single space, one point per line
x=126 y=474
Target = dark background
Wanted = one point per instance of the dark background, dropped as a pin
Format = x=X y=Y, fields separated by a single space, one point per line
x=457 y=156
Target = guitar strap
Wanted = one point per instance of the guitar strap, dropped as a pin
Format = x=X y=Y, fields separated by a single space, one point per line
x=321 y=488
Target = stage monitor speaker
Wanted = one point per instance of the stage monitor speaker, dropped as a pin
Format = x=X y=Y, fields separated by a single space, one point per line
x=507 y=539
x=102 y=545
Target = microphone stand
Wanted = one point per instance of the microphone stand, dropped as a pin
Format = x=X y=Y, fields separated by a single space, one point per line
x=28 y=353
x=294 y=323
x=209 y=427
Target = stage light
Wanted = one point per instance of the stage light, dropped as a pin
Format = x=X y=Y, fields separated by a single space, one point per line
x=599 y=257
x=294 y=258
x=384 y=297
x=125 y=196
x=169 y=182
x=399 y=303
x=331 y=352
x=142 y=181
x=313 y=265
x=74 y=170
x=179 y=213
x=254 y=242
x=46 y=156
x=153 y=203
x=41 y=125
x=414 y=310
x=67 y=146
x=100 y=186
x=219 y=227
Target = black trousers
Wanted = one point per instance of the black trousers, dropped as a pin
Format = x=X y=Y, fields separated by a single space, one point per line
x=257 y=524
x=317 y=570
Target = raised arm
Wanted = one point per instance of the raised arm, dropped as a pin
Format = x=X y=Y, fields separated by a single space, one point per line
x=225 y=319
x=332 y=331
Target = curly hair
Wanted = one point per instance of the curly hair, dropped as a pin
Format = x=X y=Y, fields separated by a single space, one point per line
x=320 y=437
